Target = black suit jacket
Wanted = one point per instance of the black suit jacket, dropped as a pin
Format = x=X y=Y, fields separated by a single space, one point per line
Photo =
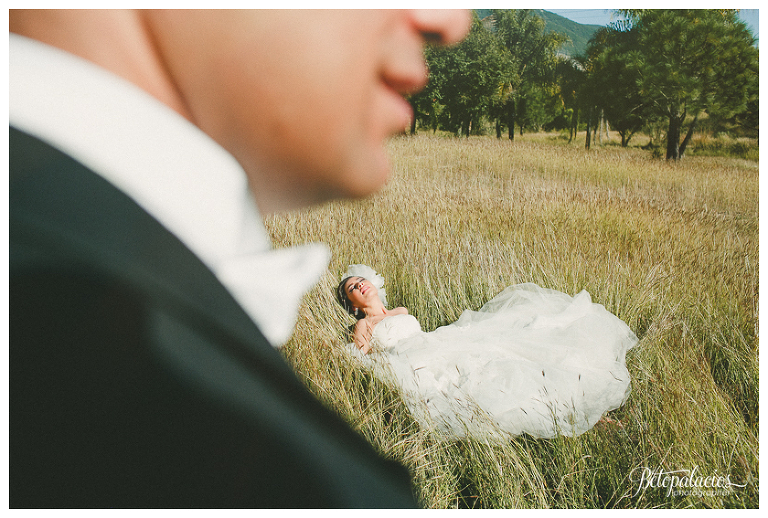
x=137 y=381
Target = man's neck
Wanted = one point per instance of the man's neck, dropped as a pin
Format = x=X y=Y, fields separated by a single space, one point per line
x=133 y=54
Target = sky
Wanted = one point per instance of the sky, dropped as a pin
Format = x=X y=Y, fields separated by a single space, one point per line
x=606 y=16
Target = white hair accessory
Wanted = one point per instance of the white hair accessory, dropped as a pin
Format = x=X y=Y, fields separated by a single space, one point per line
x=368 y=273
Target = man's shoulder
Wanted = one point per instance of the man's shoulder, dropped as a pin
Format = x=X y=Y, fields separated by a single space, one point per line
x=67 y=215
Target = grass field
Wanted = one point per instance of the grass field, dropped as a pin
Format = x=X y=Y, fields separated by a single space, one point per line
x=670 y=248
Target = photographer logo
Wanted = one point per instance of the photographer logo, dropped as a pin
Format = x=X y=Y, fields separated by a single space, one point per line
x=683 y=482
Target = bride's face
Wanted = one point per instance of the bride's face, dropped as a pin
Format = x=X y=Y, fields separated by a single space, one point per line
x=360 y=292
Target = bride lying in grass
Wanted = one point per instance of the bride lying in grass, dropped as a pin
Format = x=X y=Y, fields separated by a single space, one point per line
x=531 y=360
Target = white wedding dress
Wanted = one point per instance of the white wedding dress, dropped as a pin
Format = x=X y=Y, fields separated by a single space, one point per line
x=531 y=360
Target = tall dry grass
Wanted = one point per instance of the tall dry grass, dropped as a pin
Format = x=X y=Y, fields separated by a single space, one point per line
x=670 y=248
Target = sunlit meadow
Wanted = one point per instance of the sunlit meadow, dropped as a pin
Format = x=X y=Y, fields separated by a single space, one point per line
x=670 y=248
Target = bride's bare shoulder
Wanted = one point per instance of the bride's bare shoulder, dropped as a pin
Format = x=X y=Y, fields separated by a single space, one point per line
x=399 y=311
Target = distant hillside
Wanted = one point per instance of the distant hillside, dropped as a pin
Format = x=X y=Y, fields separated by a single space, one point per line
x=578 y=33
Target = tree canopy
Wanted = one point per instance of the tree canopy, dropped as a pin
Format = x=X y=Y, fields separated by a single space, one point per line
x=686 y=62
x=656 y=64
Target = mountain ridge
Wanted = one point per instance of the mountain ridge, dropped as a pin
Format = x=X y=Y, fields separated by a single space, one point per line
x=578 y=33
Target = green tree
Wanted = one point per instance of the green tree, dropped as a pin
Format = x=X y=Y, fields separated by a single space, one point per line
x=613 y=82
x=427 y=104
x=463 y=80
x=538 y=104
x=571 y=77
x=531 y=60
x=692 y=61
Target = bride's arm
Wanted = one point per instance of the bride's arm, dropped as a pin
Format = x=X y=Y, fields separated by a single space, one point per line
x=362 y=335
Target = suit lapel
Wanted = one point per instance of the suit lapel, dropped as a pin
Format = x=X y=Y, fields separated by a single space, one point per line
x=59 y=205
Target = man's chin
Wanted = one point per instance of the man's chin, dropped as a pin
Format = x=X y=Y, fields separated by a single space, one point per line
x=369 y=181
x=351 y=181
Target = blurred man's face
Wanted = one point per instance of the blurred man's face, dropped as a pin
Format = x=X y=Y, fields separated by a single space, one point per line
x=303 y=99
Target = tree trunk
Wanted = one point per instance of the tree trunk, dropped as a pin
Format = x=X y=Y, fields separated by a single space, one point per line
x=688 y=135
x=574 y=125
x=624 y=138
x=596 y=127
x=673 y=138
x=589 y=129
x=413 y=124
x=511 y=119
x=498 y=129
x=599 y=129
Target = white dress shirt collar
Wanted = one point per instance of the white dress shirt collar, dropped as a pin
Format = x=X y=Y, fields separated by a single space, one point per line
x=170 y=168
